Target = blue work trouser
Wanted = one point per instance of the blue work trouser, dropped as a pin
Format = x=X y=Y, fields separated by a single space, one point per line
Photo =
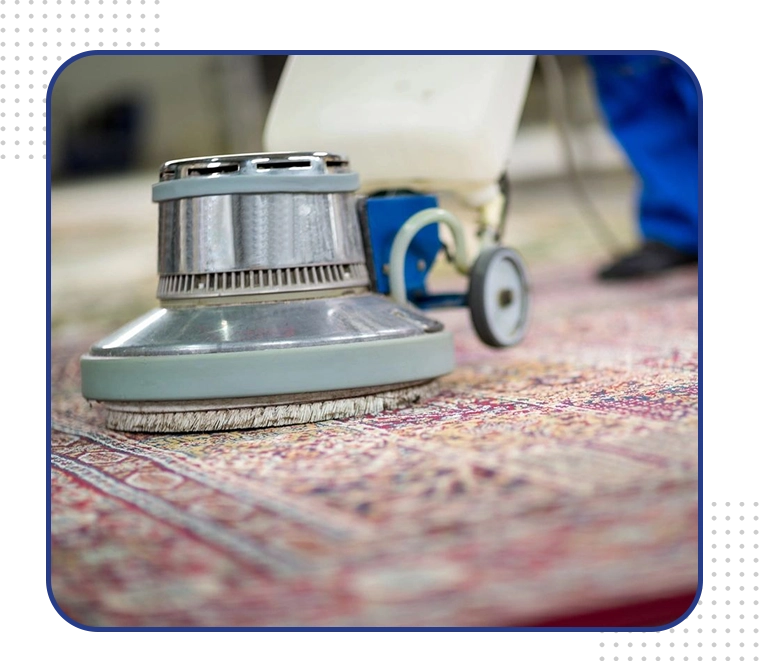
x=651 y=105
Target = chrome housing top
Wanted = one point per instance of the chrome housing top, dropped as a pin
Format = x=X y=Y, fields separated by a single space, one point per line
x=258 y=225
x=271 y=164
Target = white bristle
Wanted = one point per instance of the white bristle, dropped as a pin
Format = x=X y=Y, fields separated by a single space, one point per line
x=265 y=416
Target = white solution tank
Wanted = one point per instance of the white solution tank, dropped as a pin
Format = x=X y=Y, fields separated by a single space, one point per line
x=435 y=123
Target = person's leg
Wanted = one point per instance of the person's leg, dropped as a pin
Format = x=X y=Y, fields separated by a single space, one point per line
x=651 y=106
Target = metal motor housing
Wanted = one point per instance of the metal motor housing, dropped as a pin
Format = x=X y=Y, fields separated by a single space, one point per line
x=258 y=224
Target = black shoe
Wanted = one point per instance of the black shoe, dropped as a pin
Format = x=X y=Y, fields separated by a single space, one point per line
x=652 y=258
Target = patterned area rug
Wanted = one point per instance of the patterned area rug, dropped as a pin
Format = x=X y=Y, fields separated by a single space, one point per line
x=550 y=479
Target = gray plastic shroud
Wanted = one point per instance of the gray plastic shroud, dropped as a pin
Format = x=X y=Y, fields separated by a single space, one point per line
x=342 y=182
x=264 y=326
x=267 y=372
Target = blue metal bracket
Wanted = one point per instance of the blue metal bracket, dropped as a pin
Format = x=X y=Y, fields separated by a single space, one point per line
x=385 y=215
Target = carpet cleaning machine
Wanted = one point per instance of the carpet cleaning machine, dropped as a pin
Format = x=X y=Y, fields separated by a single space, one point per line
x=291 y=291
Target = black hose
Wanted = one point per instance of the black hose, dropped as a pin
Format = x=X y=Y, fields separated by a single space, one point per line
x=557 y=106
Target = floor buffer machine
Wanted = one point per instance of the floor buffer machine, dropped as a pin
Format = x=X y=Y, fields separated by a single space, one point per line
x=292 y=284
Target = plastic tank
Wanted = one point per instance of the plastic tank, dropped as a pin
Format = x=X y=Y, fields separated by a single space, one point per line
x=430 y=122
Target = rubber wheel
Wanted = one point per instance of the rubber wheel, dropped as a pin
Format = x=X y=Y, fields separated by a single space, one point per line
x=498 y=297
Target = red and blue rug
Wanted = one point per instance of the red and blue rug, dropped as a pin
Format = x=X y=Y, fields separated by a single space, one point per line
x=552 y=480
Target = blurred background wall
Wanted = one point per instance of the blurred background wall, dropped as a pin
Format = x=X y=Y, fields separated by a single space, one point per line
x=119 y=114
x=113 y=113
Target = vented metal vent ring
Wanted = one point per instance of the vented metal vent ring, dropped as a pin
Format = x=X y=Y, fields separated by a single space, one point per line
x=313 y=277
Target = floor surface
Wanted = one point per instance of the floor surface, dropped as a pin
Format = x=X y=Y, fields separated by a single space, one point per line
x=555 y=479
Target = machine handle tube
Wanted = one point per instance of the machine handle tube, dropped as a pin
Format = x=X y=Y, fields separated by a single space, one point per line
x=406 y=235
